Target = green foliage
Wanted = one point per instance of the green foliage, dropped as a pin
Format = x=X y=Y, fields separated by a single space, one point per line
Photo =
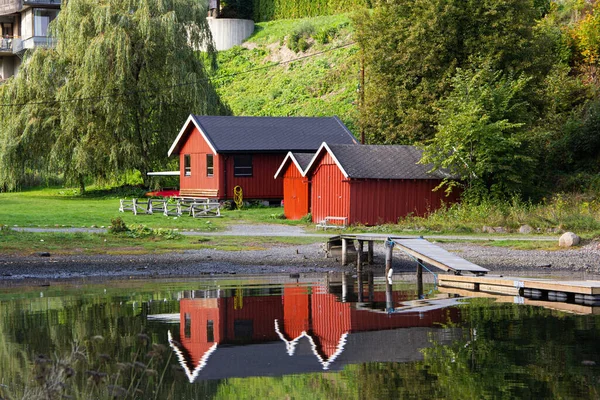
x=323 y=85
x=268 y=10
x=117 y=225
x=109 y=96
x=298 y=40
x=480 y=135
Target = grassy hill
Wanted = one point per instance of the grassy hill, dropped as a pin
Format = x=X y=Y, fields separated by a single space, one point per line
x=261 y=78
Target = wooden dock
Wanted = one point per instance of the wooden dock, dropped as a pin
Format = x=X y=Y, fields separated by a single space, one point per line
x=573 y=296
x=416 y=247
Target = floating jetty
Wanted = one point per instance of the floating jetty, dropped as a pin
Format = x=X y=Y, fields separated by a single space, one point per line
x=575 y=296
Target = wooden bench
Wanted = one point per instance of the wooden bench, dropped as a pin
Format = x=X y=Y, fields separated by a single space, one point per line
x=135 y=205
x=206 y=209
x=333 y=222
x=199 y=193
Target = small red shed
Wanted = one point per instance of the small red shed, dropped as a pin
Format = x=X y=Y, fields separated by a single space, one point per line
x=218 y=153
x=296 y=189
x=373 y=184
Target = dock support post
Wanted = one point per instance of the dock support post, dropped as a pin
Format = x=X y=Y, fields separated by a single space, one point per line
x=420 y=278
x=389 y=298
x=371 y=286
x=344 y=287
x=359 y=253
x=361 y=284
x=389 y=247
x=344 y=251
x=370 y=253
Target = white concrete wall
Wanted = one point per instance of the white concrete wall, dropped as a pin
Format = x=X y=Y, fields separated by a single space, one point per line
x=230 y=32
x=27 y=23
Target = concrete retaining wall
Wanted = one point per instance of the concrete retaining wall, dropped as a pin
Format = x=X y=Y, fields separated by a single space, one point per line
x=230 y=32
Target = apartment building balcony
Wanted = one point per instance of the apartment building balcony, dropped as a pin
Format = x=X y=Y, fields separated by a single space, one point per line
x=20 y=45
x=6 y=46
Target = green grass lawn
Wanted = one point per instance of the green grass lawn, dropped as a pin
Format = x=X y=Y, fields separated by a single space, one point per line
x=63 y=208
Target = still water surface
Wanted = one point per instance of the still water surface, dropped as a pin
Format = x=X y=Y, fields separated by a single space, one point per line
x=282 y=337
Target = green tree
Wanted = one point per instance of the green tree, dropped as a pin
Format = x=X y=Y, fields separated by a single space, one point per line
x=412 y=49
x=112 y=94
x=481 y=132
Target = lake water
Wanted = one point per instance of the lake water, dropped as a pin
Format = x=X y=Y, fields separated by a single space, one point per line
x=288 y=337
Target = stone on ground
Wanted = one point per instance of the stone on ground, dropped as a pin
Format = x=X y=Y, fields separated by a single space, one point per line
x=525 y=229
x=569 y=239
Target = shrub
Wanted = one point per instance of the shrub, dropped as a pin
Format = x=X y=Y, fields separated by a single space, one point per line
x=298 y=39
x=117 y=225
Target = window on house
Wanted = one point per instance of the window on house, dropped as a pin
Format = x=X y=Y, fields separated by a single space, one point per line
x=209 y=165
x=242 y=165
x=210 y=333
x=187 y=165
x=188 y=326
x=41 y=19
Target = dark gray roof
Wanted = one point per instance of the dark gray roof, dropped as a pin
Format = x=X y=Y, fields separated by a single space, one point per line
x=384 y=162
x=254 y=134
x=303 y=159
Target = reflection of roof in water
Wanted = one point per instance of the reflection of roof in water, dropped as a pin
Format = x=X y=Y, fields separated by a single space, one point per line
x=274 y=358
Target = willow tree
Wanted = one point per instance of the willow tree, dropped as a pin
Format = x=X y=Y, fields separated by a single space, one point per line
x=124 y=75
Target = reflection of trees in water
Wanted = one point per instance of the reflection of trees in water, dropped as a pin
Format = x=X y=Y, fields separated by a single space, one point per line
x=514 y=351
x=93 y=343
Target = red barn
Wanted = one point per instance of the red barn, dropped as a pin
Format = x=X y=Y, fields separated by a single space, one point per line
x=218 y=153
x=373 y=184
x=296 y=188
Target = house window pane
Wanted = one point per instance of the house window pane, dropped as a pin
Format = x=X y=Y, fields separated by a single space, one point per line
x=242 y=165
x=210 y=334
x=41 y=19
x=187 y=165
x=188 y=326
x=209 y=165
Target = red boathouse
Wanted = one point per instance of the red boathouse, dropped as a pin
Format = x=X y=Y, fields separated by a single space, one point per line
x=218 y=153
x=296 y=188
x=372 y=185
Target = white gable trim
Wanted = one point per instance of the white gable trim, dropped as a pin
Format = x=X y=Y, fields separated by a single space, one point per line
x=182 y=131
x=288 y=156
x=191 y=375
x=324 y=147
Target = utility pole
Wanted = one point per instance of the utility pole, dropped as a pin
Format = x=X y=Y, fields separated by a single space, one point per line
x=362 y=96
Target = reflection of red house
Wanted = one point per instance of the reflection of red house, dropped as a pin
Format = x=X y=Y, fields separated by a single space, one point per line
x=372 y=184
x=301 y=313
x=296 y=189
x=217 y=153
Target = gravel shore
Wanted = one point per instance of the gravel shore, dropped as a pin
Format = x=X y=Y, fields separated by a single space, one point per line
x=580 y=263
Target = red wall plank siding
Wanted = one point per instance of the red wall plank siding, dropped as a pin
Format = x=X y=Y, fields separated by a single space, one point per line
x=330 y=195
x=295 y=193
x=330 y=320
x=199 y=311
x=197 y=148
x=261 y=184
x=296 y=311
x=375 y=201
x=262 y=311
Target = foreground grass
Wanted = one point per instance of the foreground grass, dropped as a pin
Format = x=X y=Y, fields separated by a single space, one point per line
x=27 y=243
x=55 y=208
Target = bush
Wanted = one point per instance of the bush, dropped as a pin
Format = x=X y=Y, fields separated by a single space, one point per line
x=298 y=39
x=326 y=35
x=117 y=225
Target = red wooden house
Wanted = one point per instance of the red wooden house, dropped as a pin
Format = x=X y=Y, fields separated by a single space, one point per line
x=296 y=190
x=373 y=184
x=218 y=153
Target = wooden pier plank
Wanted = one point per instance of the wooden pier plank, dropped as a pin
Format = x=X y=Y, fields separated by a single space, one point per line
x=577 y=287
x=436 y=256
